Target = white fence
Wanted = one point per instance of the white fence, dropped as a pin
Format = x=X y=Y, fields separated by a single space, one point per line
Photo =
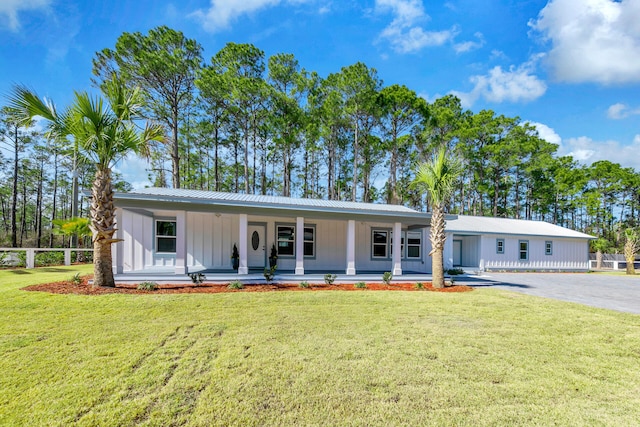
x=31 y=253
x=612 y=264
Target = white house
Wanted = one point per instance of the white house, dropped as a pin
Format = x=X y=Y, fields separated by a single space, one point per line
x=180 y=231
x=515 y=244
x=176 y=231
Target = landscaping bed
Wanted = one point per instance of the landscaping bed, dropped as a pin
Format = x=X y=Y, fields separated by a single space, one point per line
x=83 y=287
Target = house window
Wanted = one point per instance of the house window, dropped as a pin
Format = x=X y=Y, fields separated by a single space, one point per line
x=165 y=236
x=402 y=240
x=523 y=246
x=499 y=246
x=286 y=239
x=414 y=243
x=309 y=241
x=548 y=247
x=379 y=244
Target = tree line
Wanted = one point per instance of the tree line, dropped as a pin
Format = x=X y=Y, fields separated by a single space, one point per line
x=242 y=122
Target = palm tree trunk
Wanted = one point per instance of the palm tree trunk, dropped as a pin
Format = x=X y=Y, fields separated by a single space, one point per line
x=437 y=237
x=103 y=227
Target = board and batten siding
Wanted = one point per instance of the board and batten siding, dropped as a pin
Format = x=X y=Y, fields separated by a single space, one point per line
x=137 y=245
x=567 y=253
x=210 y=240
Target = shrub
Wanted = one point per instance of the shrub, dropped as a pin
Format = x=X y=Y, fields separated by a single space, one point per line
x=419 y=285
x=329 y=278
x=360 y=285
x=386 y=277
x=304 y=284
x=455 y=271
x=235 y=285
x=197 y=278
x=269 y=273
x=76 y=279
x=148 y=286
x=47 y=258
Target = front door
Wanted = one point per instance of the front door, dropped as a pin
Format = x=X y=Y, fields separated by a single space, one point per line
x=256 y=254
x=457 y=253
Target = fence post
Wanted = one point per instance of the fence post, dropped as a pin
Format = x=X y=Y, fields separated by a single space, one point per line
x=31 y=258
x=67 y=257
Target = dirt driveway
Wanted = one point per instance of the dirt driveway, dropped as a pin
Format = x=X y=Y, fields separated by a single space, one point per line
x=621 y=293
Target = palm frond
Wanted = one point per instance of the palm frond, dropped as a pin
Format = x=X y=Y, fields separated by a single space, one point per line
x=438 y=176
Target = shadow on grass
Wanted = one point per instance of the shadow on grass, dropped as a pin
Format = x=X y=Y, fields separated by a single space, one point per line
x=478 y=282
x=22 y=271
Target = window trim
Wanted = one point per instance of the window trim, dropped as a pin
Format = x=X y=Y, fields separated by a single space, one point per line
x=548 y=247
x=520 y=251
x=156 y=236
x=277 y=240
x=387 y=231
x=419 y=245
x=313 y=227
x=499 y=250
x=295 y=230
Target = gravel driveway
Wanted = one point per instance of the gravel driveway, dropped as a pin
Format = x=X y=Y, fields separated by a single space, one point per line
x=621 y=293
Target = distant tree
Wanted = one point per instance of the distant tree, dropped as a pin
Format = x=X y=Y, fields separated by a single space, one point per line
x=631 y=247
x=600 y=246
x=438 y=177
x=164 y=65
x=105 y=132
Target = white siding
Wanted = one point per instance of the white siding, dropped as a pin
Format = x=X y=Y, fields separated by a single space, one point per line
x=568 y=254
x=137 y=233
x=210 y=240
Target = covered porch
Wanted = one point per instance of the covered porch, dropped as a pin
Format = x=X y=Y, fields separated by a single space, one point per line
x=167 y=232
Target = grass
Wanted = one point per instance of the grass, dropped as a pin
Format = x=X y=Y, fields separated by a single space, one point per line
x=486 y=357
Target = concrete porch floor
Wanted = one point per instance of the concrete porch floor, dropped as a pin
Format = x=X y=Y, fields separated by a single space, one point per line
x=166 y=275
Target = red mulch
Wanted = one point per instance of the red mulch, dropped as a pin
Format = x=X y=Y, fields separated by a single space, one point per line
x=84 y=288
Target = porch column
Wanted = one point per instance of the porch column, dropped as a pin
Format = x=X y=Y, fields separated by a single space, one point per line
x=118 y=247
x=351 y=248
x=397 y=249
x=181 y=242
x=242 y=244
x=299 y=245
x=447 y=253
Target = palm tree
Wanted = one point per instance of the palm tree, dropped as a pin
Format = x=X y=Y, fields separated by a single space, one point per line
x=105 y=133
x=437 y=177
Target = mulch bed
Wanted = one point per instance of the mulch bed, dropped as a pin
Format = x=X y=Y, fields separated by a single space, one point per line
x=84 y=288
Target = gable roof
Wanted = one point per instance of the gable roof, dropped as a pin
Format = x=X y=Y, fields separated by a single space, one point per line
x=259 y=203
x=465 y=224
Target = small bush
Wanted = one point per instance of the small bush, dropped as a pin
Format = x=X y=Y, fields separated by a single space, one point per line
x=197 y=278
x=419 y=285
x=76 y=279
x=304 y=284
x=387 y=277
x=270 y=273
x=329 y=278
x=44 y=259
x=360 y=285
x=235 y=285
x=455 y=271
x=148 y=286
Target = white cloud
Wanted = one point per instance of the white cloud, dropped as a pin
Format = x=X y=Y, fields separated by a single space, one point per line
x=517 y=84
x=470 y=45
x=587 y=151
x=547 y=133
x=592 y=40
x=404 y=33
x=222 y=12
x=621 y=111
x=9 y=10
x=135 y=171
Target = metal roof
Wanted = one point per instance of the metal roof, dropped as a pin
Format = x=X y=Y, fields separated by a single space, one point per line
x=483 y=225
x=252 y=200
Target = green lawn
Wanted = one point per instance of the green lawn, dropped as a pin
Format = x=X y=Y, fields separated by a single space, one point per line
x=311 y=358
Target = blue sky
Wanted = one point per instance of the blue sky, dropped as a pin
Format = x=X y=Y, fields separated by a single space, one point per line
x=570 y=66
